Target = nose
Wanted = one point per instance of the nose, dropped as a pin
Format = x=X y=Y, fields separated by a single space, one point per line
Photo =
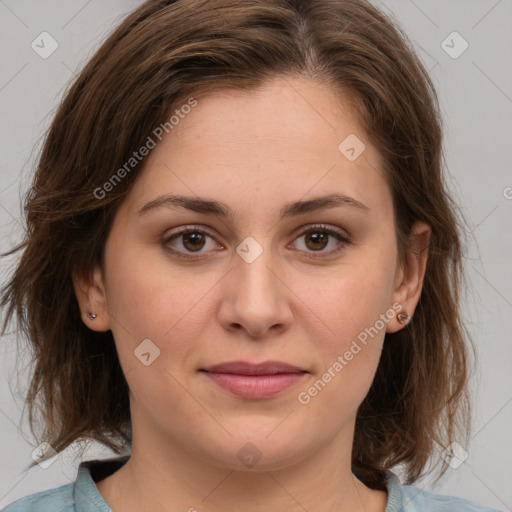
x=255 y=295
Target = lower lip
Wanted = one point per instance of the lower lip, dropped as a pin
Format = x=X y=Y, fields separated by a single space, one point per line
x=255 y=386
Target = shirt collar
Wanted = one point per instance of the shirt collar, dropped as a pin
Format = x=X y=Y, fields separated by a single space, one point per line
x=395 y=493
x=88 y=499
x=85 y=493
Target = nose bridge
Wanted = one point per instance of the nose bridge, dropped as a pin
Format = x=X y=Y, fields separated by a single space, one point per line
x=253 y=268
x=256 y=299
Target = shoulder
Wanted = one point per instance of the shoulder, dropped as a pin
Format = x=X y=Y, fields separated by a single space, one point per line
x=414 y=499
x=59 y=499
x=425 y=500
x=80 y=496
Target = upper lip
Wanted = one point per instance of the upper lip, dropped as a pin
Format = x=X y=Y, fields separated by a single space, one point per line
x=247 y=368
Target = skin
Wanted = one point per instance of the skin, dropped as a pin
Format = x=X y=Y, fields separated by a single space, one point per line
x=253 y=151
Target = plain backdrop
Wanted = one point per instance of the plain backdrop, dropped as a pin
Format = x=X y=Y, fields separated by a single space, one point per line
x=475 y=91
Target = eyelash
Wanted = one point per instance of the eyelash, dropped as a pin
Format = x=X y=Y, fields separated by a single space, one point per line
x=317 y=228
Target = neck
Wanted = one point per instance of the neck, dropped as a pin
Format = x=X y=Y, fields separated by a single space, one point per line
x=174 y=479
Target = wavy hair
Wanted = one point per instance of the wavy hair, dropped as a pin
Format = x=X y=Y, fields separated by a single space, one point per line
x=162 y=53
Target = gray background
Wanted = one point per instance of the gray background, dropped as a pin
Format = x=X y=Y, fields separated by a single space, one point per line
x=475 y=91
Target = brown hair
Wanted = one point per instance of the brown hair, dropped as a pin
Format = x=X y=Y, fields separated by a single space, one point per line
x=162 y=53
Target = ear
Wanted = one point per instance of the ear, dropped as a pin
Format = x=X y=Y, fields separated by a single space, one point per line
x=90 y=293
x=409 y=277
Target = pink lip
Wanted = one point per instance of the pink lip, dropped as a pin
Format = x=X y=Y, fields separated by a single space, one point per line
x=254 y=380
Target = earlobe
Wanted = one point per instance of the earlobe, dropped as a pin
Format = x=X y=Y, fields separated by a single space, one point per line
x=402 y=317
x=409 y=283
x=91 y=296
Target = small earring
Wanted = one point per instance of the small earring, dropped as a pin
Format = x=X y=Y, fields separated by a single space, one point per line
x=402 y=317
x=91 y=316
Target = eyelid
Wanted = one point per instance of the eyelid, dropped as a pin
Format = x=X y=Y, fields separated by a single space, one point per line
x=343 y=239
x=303 y=230
x=189 y=228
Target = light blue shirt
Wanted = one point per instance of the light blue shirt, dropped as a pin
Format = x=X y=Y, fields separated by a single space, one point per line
x=83 y=496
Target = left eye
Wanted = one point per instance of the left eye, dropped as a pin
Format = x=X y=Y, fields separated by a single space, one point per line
x=318 y=238
x=194 y=239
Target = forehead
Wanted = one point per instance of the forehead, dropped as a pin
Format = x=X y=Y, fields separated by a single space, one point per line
x=284 y=110
x=290 y=135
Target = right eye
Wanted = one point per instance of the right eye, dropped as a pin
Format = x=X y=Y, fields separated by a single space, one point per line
x=192 y=239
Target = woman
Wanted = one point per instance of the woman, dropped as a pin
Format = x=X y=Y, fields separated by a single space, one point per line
x=243 y=265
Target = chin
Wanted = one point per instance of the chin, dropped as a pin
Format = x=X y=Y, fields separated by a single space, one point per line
x=258 y=452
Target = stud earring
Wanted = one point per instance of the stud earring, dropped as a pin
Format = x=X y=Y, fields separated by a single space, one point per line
x=91 y=316
x=402 y=317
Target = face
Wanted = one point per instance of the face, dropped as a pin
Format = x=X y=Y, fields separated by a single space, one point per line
x=313 y=288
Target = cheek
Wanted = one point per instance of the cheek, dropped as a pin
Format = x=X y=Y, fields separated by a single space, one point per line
x=355 y=306
x=166 y=310
x=352 y=299
x=348 y=358
x=149 y=300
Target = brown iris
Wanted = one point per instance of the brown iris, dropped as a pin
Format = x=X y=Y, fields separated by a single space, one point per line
x=195 y=239
x=319 y=240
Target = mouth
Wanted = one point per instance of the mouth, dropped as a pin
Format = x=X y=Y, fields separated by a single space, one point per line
x=247 y=368
x=249 y=380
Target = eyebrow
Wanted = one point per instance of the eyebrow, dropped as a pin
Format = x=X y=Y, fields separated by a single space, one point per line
x=210 y=207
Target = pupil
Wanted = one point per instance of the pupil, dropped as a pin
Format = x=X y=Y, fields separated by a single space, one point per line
x=195 y=241
x=193 y=238
x=317 y=238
